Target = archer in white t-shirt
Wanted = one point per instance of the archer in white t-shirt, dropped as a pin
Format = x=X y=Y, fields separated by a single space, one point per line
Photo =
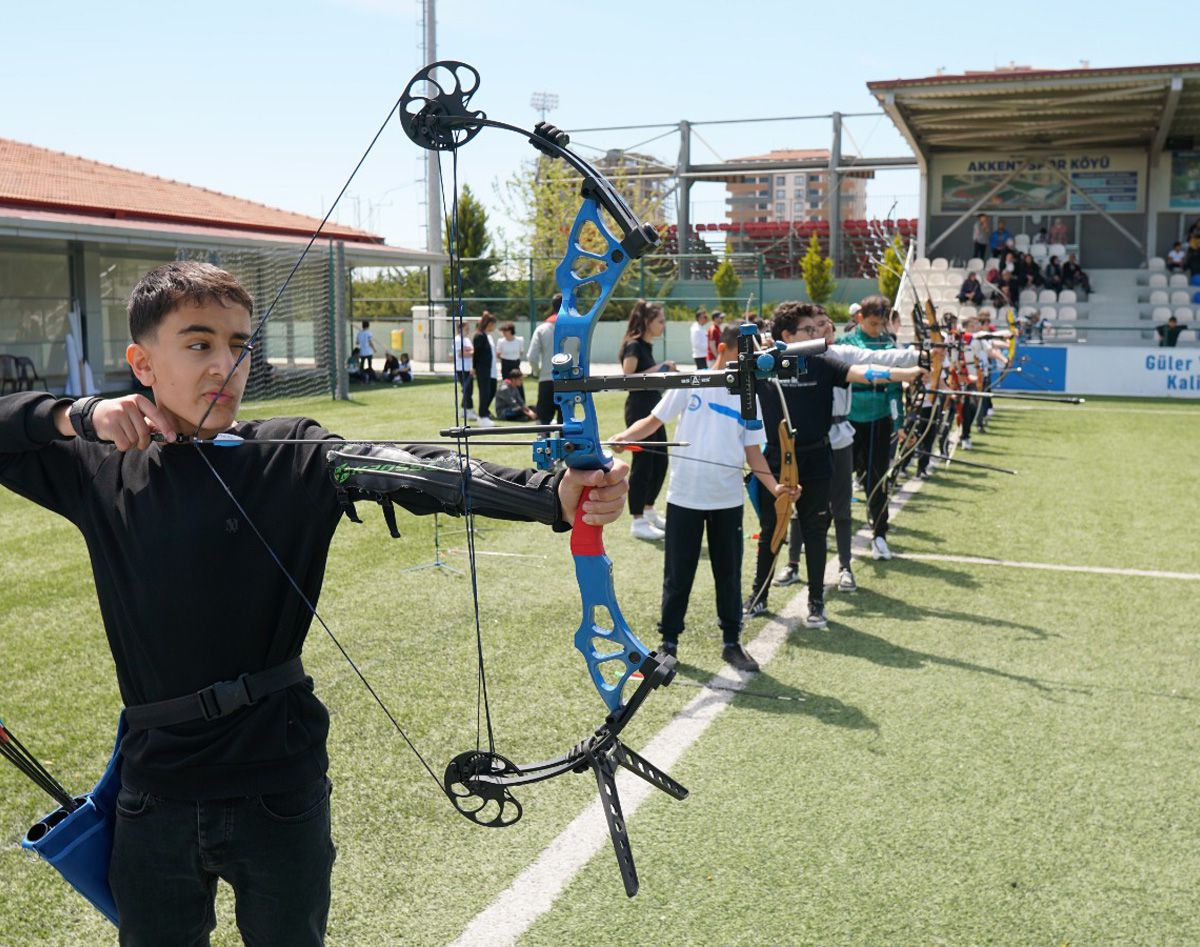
x=705 y=492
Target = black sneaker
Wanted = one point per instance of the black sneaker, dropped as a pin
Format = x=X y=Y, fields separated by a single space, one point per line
x=737 y=657
x=816 y=616
x=753 y=608
x=668 y=648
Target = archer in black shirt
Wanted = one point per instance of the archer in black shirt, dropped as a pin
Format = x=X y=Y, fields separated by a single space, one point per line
x=169 y=550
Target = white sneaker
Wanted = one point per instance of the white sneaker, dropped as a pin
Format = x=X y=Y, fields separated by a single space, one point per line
x=988 y=413
x=470 y=415
x=846 y=581
x=641 y=529
x=879 y=548
x=965 y=443
x=485 y=422
x=652 y=517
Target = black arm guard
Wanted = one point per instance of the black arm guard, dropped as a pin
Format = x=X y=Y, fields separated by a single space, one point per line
x=427 y=480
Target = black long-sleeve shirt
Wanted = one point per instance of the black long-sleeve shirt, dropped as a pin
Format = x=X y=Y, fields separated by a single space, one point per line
x=190 y=597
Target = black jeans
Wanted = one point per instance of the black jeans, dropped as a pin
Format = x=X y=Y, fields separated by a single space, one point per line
x=872 y=457
x=465 y=382
x=487 y=391
x=275 y=852
x=647 y=472
x=812 y=509
x=685 y=530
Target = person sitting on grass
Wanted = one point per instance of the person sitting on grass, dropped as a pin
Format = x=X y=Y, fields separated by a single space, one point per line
x=404 y=369
x=190 y=599
x=510 y=399
x=705 y=494
x=391 y=365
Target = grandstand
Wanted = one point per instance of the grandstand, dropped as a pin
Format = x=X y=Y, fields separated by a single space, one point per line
x=1106 y=156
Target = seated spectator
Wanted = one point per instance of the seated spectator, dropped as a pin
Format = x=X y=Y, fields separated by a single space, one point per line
x=1005 y=293
x=1073 y=275
x=354 y=365
x=1052 y=275
x=971 y=291
x=1168 y=335
x=1041 y=237
x=1031 y=272
x=404 y=372
x=1058 y=232
x=397 y=370
x=390 y=366
x=1032 y=326
x=999 y=238
x=510 y=399
x=1177 y=258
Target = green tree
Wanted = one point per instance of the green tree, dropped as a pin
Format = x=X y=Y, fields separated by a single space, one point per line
x=472 y=243
x=817 y=272
x=390 y=294
x=543 y=197
x=727 y=284
x=893 y=266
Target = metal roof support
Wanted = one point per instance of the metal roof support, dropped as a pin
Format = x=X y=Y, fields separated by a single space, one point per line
x=1170 y=104
x=970 y=212
x=683 y=204
x=833 y=193
x=1049 y=166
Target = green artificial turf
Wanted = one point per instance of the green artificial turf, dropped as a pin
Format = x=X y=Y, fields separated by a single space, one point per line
x=981 y=755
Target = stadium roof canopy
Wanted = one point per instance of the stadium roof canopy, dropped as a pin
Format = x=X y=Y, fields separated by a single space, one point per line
x=1024 y=110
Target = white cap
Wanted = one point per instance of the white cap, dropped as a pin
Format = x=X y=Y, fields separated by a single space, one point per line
x=855 y=309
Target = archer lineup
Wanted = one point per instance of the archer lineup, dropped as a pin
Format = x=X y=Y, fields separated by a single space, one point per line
x=220 y=763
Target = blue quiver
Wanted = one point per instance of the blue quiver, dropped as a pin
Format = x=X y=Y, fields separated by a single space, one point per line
x=78 y=845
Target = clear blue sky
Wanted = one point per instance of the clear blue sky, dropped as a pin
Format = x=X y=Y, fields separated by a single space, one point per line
x=274 y=101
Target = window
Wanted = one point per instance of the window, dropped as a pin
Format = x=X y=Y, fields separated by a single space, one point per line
x=35 y=298
x=780 y=179
x=118 y=276
x=814 y=179
x=781 y=211
x=780 y=194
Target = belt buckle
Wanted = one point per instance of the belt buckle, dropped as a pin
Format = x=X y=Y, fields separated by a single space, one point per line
x=224 y=697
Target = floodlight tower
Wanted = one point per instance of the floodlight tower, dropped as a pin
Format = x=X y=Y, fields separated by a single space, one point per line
x=543 y=102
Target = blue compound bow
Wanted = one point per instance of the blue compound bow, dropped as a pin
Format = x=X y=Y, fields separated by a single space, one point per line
x=435 y=114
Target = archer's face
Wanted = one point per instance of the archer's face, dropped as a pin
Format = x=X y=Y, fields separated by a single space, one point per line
x=873 y=326
x=187 y=359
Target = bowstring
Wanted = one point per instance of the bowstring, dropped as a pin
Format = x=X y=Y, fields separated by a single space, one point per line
x=245 y=352
x=483 y=709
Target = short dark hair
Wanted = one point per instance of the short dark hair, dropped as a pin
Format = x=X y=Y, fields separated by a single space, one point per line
x=556 y=302
x=788 y=314
x=366 y=324
x=513 y=373
x=879 y=306
x=508 y=327
x=172 y=285
x=730 y=335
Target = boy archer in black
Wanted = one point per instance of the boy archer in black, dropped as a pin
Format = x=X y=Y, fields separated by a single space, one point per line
x=208 y=793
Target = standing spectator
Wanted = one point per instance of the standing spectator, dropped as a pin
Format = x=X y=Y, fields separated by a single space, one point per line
x=509 y=349
x=649 y=468
x=1193 y=253
x=483 y=365
x=1058 y=232
x=699 y=337
x=1176 y=258
x=971 y=291
x=980 y=233
x=1073 y=275
x=463 y=351
x=1168 y=335
x=705 y=493
x=714 y=335
x=365 y=342
x=541 y=351
x=999 y=239
x=510 y=400
x=1052 y=276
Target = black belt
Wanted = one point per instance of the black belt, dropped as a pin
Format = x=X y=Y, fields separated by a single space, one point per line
x=216 y=700
x=815 y=445
x=839 y=418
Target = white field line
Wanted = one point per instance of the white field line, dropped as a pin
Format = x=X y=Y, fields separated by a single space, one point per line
x=1051 y=566
x=1103 y=409
x=535 y=890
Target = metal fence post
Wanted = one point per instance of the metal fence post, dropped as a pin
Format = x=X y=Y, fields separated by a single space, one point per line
x=339 y=320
